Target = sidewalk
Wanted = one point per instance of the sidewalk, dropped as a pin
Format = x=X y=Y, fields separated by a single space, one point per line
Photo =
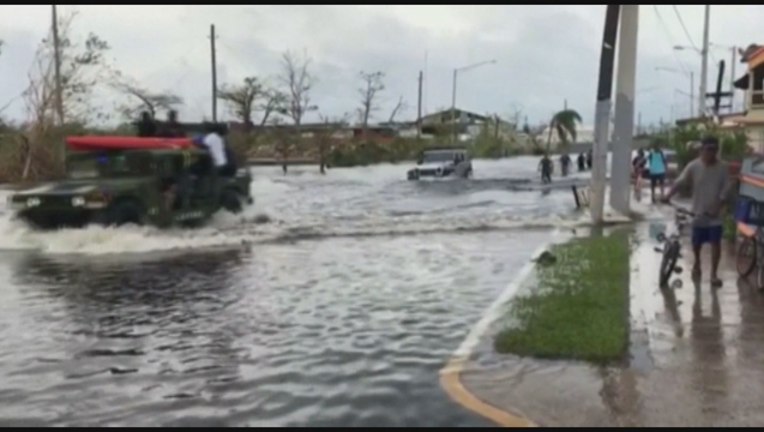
x=697 y=360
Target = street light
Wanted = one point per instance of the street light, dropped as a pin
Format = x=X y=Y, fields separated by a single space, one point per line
x=692 y=82
x=453 y=93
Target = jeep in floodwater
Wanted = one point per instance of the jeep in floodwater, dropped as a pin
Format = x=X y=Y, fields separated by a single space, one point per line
x=439 y=163
x=126 y=180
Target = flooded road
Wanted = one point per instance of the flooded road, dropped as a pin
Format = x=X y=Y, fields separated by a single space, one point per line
x=339 y=312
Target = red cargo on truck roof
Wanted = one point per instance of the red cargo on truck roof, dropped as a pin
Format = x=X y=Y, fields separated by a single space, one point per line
x=95 y=142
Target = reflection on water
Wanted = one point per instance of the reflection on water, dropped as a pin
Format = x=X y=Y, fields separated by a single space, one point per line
x=318 y=333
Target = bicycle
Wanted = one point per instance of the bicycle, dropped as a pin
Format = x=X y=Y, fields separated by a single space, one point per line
x=751 y=247
x=672 y=247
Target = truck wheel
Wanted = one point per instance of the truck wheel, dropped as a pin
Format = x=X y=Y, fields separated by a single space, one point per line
x=123 y=213
x=229 y=200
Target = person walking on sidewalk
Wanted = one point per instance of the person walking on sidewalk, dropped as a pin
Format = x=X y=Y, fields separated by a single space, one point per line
x=708 y=177
x=656 y=161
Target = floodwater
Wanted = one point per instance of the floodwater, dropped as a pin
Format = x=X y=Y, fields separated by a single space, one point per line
x=339 y=312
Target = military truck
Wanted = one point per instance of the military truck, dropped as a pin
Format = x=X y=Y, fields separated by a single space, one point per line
x=128 y=180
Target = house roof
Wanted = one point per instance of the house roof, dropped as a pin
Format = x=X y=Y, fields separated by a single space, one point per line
x=743 y=120
x=756 y=57
x=458 y=111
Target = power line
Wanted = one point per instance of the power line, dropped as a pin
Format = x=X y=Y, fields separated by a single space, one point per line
x=684 y=27
x=670 y=39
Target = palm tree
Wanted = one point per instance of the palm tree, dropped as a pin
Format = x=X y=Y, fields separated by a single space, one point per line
x=564 y=122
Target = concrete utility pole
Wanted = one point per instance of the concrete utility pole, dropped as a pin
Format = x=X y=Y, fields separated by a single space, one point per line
x=453 y=94
x=602 y=114
x=732 y=78
x=704 y=63
x=419 y=107
x=57 y=68
x=620 y=172
x=214 y=75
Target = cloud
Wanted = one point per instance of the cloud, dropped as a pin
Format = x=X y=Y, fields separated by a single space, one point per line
x=546 y=55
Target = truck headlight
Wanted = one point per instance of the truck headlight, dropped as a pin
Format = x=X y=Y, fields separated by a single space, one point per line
x=33 y=202
x=78 y=202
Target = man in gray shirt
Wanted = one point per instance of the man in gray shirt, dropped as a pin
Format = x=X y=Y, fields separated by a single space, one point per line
x=709 y=179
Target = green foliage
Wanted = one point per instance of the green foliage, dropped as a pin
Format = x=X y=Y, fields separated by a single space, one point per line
x=368 y=153
x=576 y=310
x=565 y=123
x=733 y=142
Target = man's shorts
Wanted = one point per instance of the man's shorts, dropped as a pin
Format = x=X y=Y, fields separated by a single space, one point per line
x=657 y=179
x=702 y=235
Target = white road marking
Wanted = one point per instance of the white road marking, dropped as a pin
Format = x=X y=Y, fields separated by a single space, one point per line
x=494 y=310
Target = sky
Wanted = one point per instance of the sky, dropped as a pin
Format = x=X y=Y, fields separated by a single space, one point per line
x=545 y=55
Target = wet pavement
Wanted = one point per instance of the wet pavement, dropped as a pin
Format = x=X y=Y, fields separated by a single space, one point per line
x=697 y=359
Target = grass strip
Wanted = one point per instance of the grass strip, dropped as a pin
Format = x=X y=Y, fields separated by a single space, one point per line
x=576 y=309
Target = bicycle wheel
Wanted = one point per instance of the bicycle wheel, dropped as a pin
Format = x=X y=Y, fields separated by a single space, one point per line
x=760 y=278
x=668 y=263
x=745 y=258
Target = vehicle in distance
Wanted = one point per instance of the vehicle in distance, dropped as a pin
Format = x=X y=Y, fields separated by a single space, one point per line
x=441 y=163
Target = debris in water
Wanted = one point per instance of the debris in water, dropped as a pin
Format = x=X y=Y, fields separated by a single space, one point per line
x=546 y=258
x=262 y=219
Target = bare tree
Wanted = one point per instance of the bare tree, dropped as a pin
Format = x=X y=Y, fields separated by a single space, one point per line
x=241 y=99
x=325 y=138
x=82 y=68
x=284 y=142
x=372 y=85
x=142 y=99
x=273 y=101
x=400 y=107
x=298 y=83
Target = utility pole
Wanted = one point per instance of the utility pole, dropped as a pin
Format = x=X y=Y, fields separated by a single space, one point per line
x=214 y=76
x=453 y=109
x=602 y=114
x=623 y=133
x=692 y=92
x=57 y=66
x=704 y=63
x=732 y=79
x=419 y=107
x=426 y=81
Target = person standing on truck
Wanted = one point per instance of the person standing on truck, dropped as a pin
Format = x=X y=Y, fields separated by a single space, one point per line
x=213 y=142
x=709 y=178
x=657 y=162
x=146 y=126
x=172 y=128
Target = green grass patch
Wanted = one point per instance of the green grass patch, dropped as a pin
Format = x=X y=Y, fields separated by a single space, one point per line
x=577 y=309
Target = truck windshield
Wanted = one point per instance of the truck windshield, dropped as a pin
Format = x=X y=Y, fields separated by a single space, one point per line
x=438 y=157
x=103 y=166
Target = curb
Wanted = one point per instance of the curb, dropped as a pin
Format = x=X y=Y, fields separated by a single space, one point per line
x=450 y=374
x=451 y=383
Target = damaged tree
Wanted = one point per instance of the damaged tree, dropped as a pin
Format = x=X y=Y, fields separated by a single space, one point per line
x=372 y=85
x=326 y=137
x=141 y=99
x=36 y=153
x=399 y=108
x=298 y=83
